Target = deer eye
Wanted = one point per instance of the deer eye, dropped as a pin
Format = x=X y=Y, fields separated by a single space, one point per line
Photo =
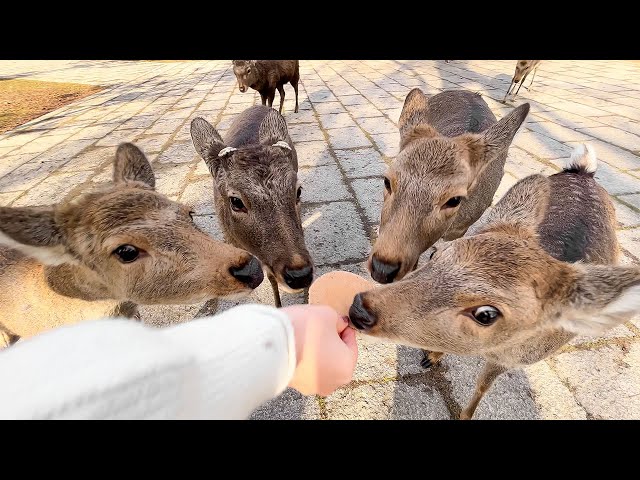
x=387 y=184
x=237 y=205
x=485 y=315
x=127 y=253
x=452 y=202
x=248 y=71
x=298 y=193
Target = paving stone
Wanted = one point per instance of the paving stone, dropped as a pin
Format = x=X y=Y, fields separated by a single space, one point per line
x=322 y=184
x=559 y=132
x=334 y=233
x=621 y=123
x=370 y=195
x=199 y=195
x=7 y=198
x=616 y=136
x=171 y=180
x=378 y=125
x=352 y=99
x=52 y=189
x=152 y=143
x=541 y=146
x=366 y=162
x=305 y=133
x=363 y=110
x=387 y=143
x=553 y=399
x=289 y=405
x=509 y=398
x=337 y=120
x=350 y=137
x=303 y=116
x=167 y=315
x=164 y=126
x=89 y=159
x=179 y=153
x=311 y=154
x=605 y=381
x=25 y=177
x=626 y=216
x=394 y=400
x=521 y=164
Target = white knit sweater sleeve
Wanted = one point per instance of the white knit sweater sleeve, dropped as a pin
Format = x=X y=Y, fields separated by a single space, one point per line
x=220 y=367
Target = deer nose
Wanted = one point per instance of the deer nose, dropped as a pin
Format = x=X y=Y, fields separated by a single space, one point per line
x=298 y=278
x=243 y=88
x=250 y=273
x=384 y=272
x=359 y=316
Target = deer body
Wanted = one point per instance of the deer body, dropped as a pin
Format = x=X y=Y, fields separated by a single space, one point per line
x=106 y=251
x=266 y=76
x=536 y=271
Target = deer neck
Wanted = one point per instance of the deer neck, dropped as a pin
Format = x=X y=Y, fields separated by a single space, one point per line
x=76 y=282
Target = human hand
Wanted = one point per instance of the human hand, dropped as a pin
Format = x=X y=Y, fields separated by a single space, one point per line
x=326 y=349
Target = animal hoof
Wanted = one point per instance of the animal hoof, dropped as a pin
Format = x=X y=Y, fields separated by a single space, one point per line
x=426 y=362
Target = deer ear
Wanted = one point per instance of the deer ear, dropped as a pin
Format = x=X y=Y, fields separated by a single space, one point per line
x=33 y=232
x=207 y=142
x=273 y=129
x=601 y=298
x=416 y=104
x=132 y=165
x=485 y=147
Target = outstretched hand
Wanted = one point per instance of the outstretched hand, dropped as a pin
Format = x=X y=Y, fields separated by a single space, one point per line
x=326 y=349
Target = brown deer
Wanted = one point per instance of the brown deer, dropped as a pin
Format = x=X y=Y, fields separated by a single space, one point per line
x=257 y=194
x=267 y=75
x=536 y=271
x=523 y=69
x=105 y=251
x=451 y=162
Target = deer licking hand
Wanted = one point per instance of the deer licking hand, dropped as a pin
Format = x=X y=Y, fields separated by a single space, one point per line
x=105 y=251
x=536 y=271
x=257 y=194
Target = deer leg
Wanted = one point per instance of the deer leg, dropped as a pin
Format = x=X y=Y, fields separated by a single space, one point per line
x=295 y=89
x=485 y=380
x=430 y=358
x=276 y=292
x=263 y=96
x=272 y=95
x=521 y=83
x=532 y=79
x=281 y=90
x=508 y=91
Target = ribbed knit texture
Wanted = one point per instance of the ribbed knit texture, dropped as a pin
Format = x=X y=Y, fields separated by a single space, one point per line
x=220 y=367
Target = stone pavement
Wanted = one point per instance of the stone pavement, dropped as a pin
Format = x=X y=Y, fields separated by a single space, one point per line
x=345 y=134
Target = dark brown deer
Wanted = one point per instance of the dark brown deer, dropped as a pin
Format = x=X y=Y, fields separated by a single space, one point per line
x=266 y=76
x=257 y=194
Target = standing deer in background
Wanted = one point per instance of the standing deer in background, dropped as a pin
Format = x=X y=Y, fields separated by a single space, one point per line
x=104 y=252
x=523 y=68
x=267 y=75
x=257 y=194
x=535 y=272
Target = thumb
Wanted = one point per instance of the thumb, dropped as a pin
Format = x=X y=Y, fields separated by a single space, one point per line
x=342 y=322
x=348 y=336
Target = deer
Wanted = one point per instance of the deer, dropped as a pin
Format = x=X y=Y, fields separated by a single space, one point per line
x=257 y=193
x=537 y=270
x=523 y=69
x=104 y=252
x=267 y=75
x=450 y=164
